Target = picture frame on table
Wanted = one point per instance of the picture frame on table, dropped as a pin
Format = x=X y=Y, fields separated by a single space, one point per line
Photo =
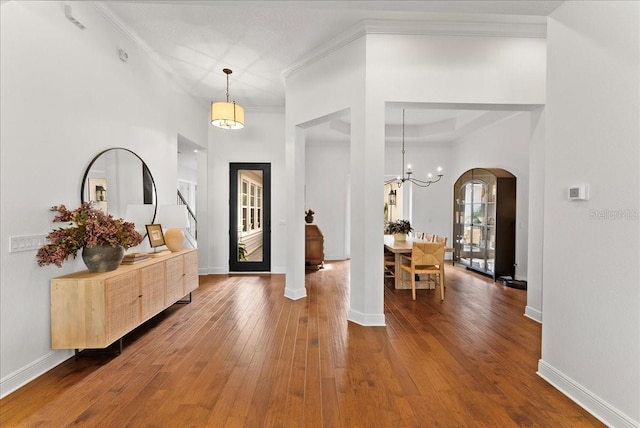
x=156 y=237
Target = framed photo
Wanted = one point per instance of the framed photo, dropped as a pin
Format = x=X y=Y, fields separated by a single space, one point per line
x=156 y=238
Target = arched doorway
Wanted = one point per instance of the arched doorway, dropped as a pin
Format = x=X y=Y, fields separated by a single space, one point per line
x=484 y=223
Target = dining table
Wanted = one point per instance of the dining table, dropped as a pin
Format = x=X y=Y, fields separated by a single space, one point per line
x=398 y=248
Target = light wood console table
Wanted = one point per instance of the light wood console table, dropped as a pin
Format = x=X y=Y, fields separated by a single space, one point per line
x=94 y=310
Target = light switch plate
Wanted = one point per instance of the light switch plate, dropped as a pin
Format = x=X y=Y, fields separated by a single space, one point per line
x=26 y=243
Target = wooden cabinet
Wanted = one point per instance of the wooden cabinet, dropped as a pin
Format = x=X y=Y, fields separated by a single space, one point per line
x=190 y=272
x=122 y=305
x=93 y=310
x=175 y=279
x=314 y=245
x=485 y=221
x=153 y=283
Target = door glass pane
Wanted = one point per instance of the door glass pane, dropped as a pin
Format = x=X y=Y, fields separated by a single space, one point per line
x=250 y=237
x=474 y=235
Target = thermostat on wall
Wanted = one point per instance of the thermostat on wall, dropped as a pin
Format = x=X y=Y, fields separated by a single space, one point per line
x=579 y=193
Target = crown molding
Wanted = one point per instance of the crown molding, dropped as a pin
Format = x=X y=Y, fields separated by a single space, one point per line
x=106 y=12
x=325 y=49
x=421 y=28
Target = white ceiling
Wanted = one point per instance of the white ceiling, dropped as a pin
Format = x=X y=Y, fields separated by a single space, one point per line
x=258 y=40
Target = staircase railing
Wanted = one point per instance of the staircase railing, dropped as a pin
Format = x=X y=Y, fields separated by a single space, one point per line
x=193 y=222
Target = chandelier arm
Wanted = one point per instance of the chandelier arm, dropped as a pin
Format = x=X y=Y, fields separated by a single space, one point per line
x=421 y=183
x=427 y=181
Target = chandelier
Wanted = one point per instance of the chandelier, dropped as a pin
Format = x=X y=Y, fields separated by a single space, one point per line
x=406 y=176
x=228 y=115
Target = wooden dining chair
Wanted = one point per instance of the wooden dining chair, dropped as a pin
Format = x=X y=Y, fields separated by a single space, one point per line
x=428 y=237
x=426 y=258
x=438 y=238
x=389 y=264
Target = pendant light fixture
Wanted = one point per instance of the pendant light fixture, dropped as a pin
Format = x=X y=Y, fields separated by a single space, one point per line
x=227 y=115
x=407 y=176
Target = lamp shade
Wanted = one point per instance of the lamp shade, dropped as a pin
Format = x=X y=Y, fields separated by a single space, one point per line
x=140 y=215
x=227 y=115
x=173 y=218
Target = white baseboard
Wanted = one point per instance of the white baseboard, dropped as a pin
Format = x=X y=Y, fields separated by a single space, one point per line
x=295 y=294
x=593 y=404
x=367 y=320
x=532 y=313
x=214 y=271
x=26 y=374
x=278 y=269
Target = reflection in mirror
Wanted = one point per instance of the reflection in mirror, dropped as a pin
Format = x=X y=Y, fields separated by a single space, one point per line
x=250 y=215
x=119 y=182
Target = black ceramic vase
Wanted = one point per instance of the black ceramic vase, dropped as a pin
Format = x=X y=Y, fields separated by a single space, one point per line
x=102 y=258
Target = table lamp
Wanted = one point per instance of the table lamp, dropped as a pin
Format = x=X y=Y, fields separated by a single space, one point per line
x=174 y=219
x=140 y=215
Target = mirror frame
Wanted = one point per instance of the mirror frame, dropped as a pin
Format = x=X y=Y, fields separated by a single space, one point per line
x=145 y=170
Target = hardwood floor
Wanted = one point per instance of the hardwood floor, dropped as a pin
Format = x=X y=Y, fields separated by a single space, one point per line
x=242 y=355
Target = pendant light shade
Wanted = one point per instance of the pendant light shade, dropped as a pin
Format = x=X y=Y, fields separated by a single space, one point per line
x=227 y=115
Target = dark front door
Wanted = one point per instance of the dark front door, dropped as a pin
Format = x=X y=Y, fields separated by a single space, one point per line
x=249 y=217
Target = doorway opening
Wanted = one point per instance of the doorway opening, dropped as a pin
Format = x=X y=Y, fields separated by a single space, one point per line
x=249 y=217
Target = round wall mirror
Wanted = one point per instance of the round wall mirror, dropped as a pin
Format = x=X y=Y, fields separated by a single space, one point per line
x=119 y=183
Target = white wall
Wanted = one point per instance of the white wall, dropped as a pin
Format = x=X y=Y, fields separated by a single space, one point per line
x=66 y=96
x=504 y=145
x=262 y=140
x=327 y=180
x=308 y=104
x=456 y=69
x=591 y=300
x=400 y=68
x=535 y=248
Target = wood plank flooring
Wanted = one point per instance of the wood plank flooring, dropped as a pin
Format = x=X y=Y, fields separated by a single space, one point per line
x=242 y=355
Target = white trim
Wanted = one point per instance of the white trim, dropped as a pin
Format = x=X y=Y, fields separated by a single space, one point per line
x=599 y=408
x=278 y=270
x=367 y=320
x=532 y=313
x=452 y=28
x=26 y=374
x=295 y=294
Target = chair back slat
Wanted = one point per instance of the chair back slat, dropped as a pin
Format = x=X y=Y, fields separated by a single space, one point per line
x=427 y=253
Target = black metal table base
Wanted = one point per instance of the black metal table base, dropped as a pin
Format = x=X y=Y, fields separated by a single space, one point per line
x=102 y=351
x=185 y=301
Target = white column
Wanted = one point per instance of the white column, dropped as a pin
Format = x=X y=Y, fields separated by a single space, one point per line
x=295 y=170
x=366 y=306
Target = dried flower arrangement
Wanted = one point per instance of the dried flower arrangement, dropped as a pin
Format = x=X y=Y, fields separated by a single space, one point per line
x=88 y=227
